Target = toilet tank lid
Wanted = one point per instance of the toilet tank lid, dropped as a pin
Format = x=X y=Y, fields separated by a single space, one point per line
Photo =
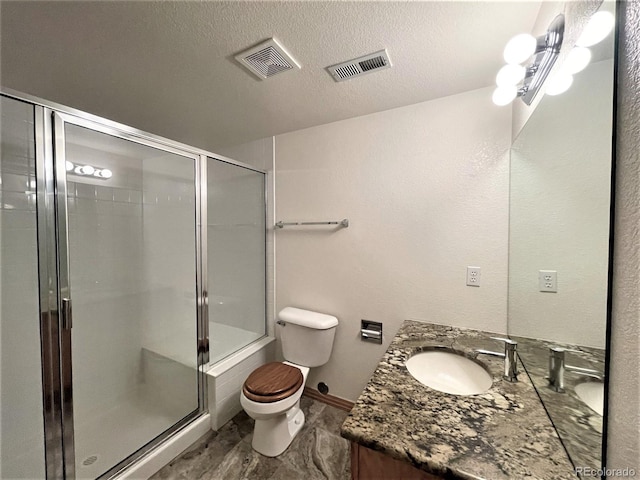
x=307 y=318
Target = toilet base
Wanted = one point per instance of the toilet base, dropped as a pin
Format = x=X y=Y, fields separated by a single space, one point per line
x=272 y=436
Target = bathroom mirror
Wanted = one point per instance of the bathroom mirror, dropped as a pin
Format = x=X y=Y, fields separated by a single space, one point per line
x=559 y=249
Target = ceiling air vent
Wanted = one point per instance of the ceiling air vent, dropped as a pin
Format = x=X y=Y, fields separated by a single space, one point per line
x=267 y=59
x=360 y=66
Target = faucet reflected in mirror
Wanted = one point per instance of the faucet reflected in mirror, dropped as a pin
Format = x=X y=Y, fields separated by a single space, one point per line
x=509 y=355
x=557 y=368
x=559 y=218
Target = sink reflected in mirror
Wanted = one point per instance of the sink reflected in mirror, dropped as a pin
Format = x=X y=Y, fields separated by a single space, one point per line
x=592 y=394
x=449 y=372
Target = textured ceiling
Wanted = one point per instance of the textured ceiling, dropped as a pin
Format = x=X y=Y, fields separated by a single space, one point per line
x=168 y=67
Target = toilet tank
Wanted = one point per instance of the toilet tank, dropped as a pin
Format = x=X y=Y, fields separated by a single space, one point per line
x=307 y=337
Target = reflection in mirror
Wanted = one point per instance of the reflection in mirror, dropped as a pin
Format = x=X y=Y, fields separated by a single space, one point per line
x=559 y=252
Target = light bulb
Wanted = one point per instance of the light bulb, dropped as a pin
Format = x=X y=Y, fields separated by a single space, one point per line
x=510 y=75
x=520 y=48
x=88 y=170
x=78 y=170
x=577 y=59
x=69 y=166
x=504 y=95
x=559 y=83
x=597 y=29
x=106 y=173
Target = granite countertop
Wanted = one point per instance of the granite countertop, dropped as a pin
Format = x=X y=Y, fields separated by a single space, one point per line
x=579 y=427
x=504 y=433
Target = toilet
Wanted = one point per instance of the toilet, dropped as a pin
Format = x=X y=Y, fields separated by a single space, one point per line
x=271 y=393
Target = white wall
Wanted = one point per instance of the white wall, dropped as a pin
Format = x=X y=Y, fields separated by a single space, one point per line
x=258 y=154
x=425 y=188
x=559 y=213
x=623 y=441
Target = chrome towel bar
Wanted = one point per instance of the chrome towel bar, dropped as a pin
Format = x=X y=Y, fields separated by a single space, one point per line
x=342 y=223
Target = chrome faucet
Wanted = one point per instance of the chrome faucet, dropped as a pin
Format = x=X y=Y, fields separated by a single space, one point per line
x=557 y=367
x=510 y=358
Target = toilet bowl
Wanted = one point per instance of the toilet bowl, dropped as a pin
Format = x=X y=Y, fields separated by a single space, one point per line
x=276 y=422
x=271 y=393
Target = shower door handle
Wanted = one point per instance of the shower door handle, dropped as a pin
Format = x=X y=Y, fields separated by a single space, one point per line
x=67 y=314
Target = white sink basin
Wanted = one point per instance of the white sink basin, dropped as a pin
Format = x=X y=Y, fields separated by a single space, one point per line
x=592 y=394
x=449 y=373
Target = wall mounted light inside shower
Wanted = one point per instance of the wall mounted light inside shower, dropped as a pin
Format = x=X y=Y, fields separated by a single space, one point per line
x=519 y=49
x=88 y=171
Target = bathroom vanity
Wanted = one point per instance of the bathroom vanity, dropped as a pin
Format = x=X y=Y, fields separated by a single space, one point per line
x=559 y=272
x=503 y=433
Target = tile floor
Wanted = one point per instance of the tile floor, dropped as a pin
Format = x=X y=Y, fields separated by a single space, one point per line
x=317 y=452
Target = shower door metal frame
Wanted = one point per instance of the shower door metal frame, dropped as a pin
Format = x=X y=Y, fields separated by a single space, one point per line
x=48 y=288
x=63 y=291
x=65 y=297
x=203 y=284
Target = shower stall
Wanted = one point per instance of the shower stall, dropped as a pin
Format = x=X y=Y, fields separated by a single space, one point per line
x=128 y=264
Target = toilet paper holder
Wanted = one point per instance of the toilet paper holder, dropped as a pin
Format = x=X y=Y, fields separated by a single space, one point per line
x=371 y=331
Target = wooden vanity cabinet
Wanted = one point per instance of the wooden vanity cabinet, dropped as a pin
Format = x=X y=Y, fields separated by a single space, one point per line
x=367 y=464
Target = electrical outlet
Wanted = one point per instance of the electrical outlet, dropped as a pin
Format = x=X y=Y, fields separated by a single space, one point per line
x=473 y=276
x=548 y=281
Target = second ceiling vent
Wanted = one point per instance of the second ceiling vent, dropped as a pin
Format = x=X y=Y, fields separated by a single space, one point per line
x=360 y=66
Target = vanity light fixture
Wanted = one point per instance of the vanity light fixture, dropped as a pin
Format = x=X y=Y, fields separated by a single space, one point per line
x=519 y=49
x=510 y=75
x=88 y=171
x=559 y=83
x=577 y=59
x=597 y=29
x=545 y=50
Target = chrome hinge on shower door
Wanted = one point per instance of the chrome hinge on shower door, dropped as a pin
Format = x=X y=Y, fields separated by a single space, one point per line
x=67 y=314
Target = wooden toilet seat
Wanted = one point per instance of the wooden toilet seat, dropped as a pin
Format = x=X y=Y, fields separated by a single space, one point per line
x=272 y=382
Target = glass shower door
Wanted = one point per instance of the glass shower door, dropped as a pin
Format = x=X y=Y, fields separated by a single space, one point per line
x=129 y=268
